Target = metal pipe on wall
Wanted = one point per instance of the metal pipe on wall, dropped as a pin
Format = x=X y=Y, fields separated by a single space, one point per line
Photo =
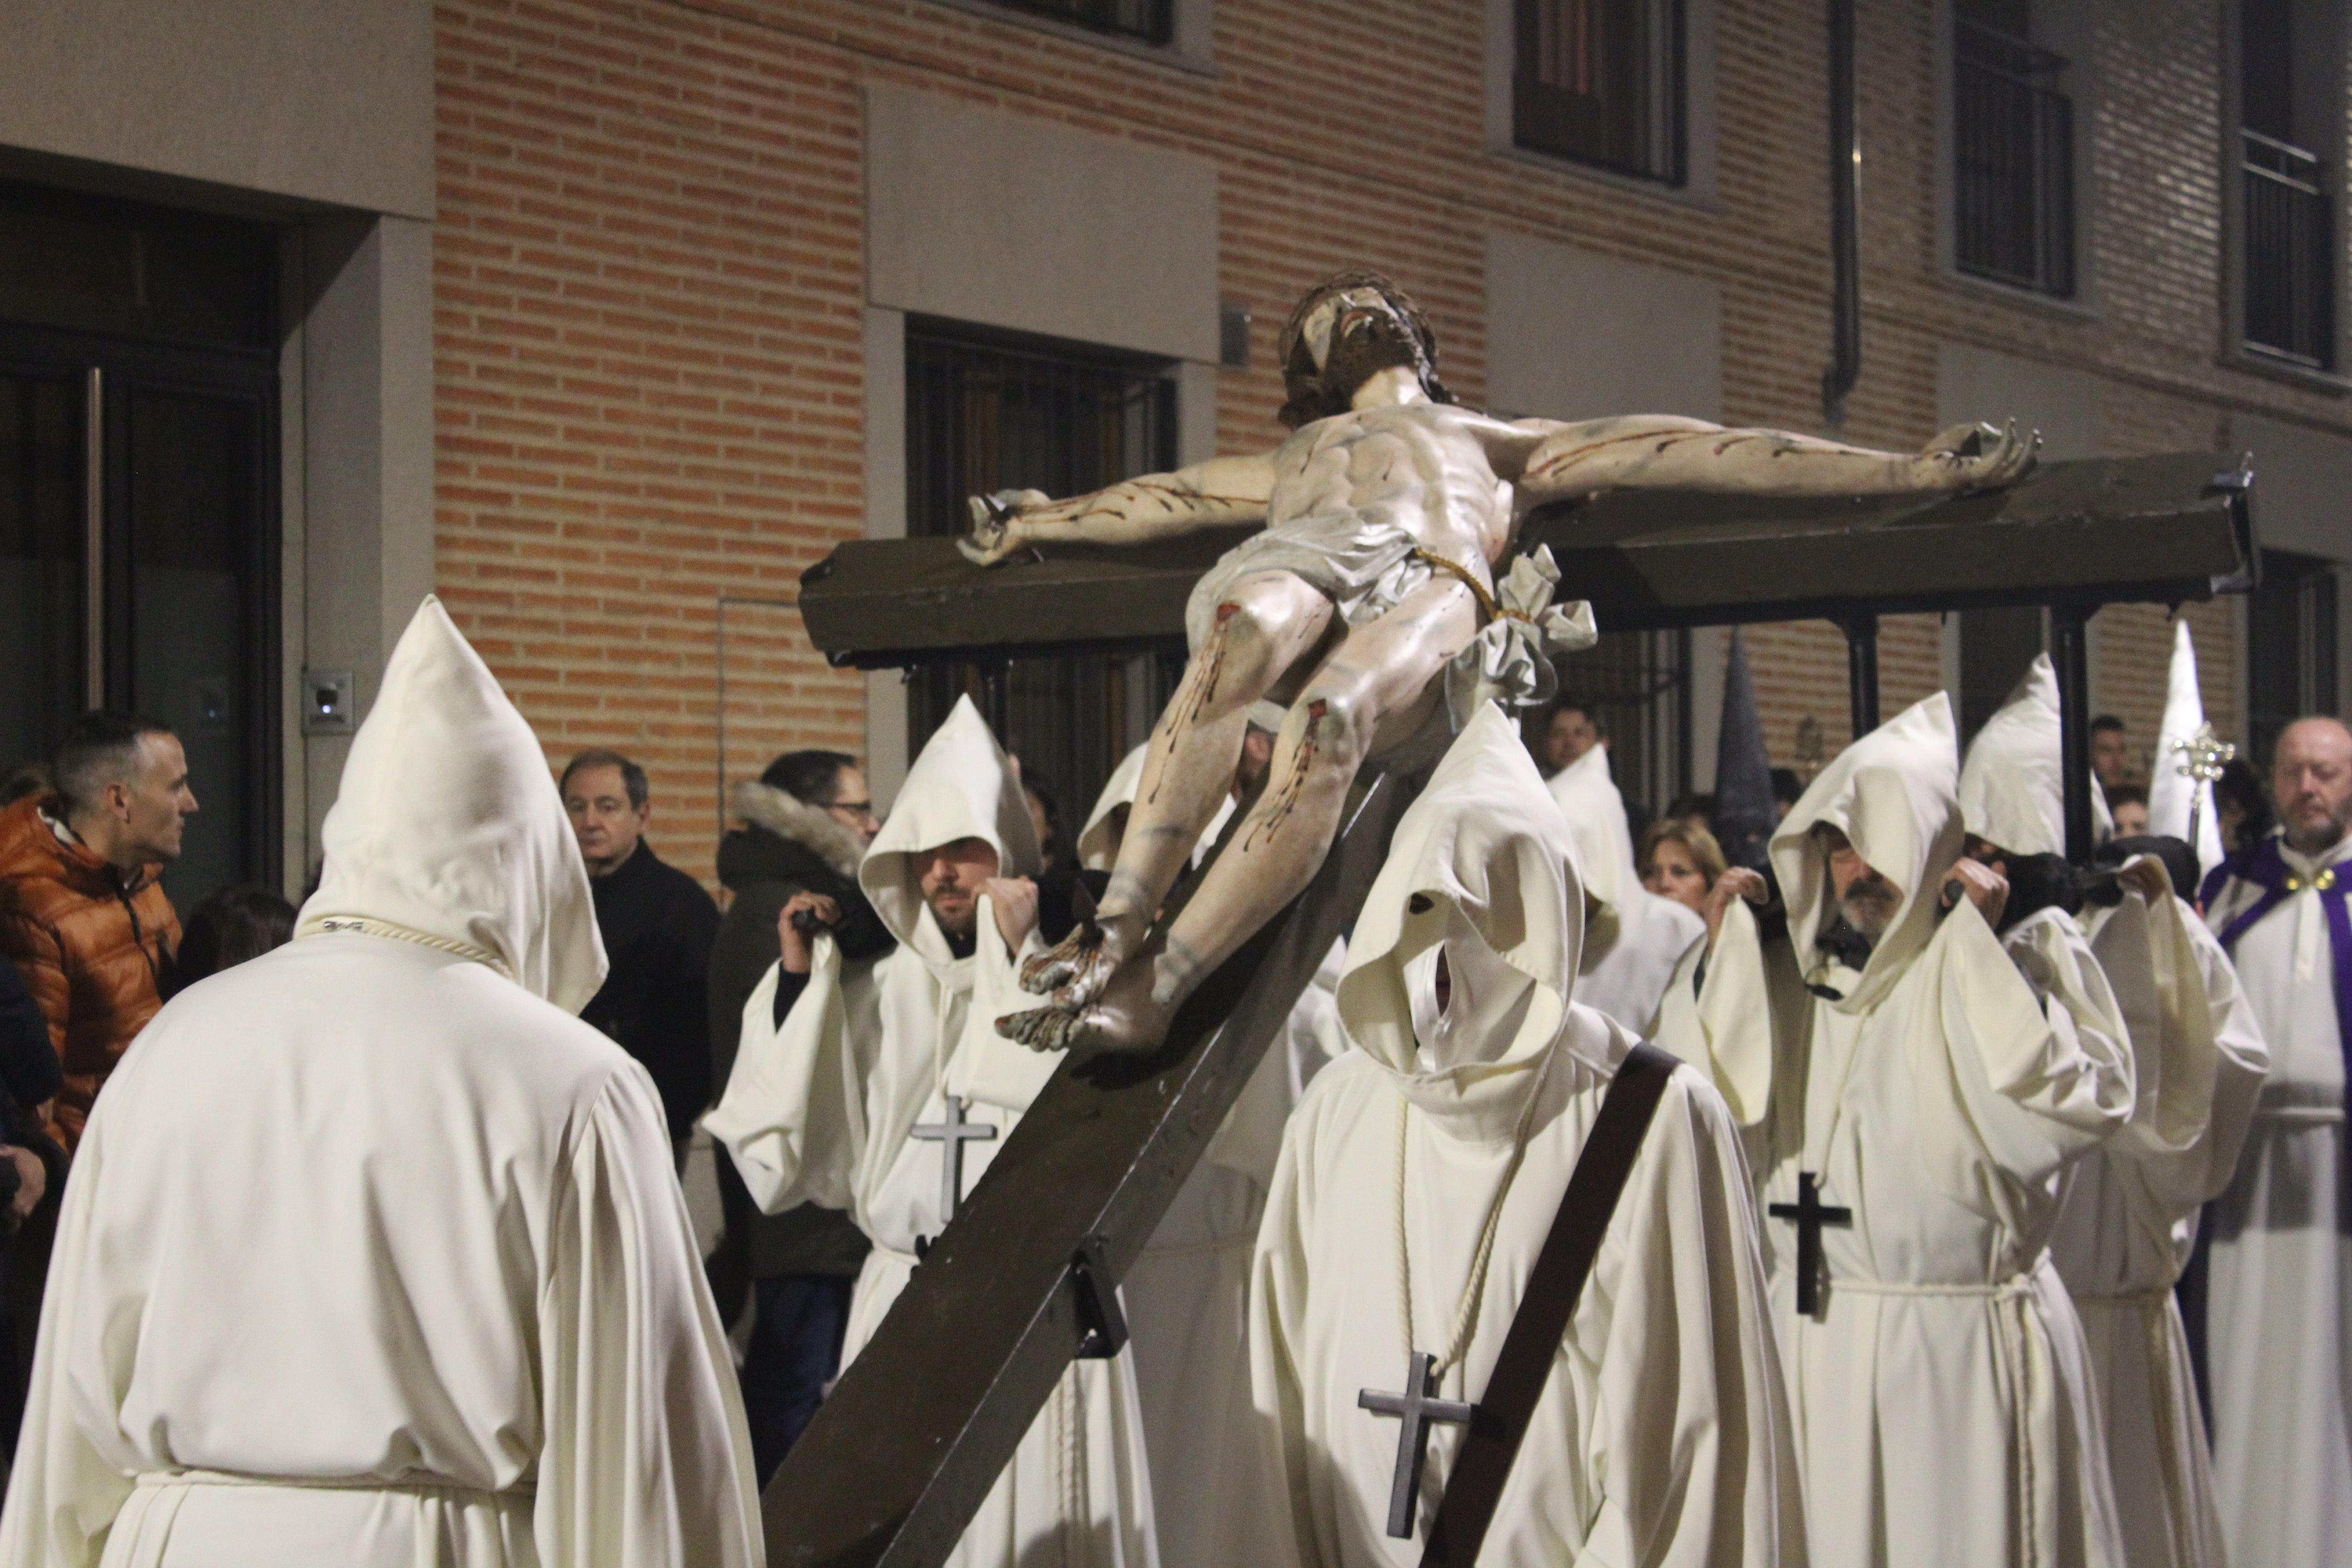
x=1845 y=197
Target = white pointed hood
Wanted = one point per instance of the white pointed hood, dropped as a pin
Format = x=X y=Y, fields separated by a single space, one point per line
x=1895 y=794
x=962 y=785
x=1483 y=866
x=447 y=828
x=2013 y=790
x=2172 y=792
x=1095 y=848
x=1589 y=798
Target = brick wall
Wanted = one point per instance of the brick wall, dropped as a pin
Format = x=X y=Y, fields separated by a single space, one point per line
x=649 y=370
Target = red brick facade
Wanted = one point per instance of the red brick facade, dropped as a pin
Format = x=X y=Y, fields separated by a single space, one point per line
x=650 y=284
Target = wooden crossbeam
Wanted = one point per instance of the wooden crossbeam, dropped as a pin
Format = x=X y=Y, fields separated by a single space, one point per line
x=2161 y=530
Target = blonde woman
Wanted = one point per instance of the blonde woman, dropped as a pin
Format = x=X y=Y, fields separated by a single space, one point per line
x=1681 y=860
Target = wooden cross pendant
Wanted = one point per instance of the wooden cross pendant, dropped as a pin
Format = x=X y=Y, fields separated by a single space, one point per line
x=951 y=1136
x=1416 y=1411
x=1809 y=1214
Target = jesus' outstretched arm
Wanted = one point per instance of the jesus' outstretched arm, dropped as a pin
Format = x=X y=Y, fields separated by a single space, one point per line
x=1154 y=506
x=1656 y=452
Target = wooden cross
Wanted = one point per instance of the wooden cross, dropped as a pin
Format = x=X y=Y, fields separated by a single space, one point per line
x=1416 y=1410
x=1810 y=1214
x=951 y=1136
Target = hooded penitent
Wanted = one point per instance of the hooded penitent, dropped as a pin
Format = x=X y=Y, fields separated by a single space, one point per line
x=1395 y=1159
x=830 y=1107
x=2012 y=788
x=2173 y=798
x=1635 y=938
x=373 y=1254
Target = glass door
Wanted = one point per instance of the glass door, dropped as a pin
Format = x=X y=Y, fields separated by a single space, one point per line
x=43 y=670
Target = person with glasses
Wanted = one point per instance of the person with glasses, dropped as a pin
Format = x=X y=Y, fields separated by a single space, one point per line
x=792 y=865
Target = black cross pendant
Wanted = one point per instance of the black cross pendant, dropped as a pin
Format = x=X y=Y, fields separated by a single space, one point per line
x=951 y=1136
x=1810 y=1214
x=1416 y=1411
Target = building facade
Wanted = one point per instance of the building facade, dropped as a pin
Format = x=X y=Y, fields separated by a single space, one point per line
x=604 y=320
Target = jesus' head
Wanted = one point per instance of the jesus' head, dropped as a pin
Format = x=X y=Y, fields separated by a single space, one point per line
x=1345 y=330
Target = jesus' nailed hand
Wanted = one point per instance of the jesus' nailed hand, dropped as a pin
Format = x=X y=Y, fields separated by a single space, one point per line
x=1386 y=515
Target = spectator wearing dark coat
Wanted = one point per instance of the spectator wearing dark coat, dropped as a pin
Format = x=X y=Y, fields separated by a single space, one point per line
x=806 y=823
x=30 y=1077
x=658 y=924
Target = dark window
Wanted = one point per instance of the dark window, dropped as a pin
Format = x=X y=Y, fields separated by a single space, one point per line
x=2291 y=652
x=138 y=569
x=985 y=414
x=2289 y=273
x=1600 y=82
x=1153 y=21
x=2013 y=152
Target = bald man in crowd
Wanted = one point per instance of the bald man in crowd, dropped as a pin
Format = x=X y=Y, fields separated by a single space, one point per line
x=2282 y=1256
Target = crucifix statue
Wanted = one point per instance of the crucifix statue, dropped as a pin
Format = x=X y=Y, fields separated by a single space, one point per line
x=952 y=1132
x=1388 y=514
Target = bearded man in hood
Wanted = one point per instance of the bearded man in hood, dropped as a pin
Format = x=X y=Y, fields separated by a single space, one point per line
x=1911 y=1107
x=373 y=1252
x=880 y=1087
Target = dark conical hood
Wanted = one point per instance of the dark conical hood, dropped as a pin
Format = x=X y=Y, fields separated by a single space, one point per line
x=1744 y=815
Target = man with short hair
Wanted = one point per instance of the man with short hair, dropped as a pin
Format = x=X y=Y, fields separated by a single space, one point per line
x=657 y=925
x=2280 y=1280
x=1569 y=730
x=82 y=914
x=2110 y=751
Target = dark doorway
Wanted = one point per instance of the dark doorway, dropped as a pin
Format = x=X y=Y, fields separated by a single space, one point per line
x=138 y=501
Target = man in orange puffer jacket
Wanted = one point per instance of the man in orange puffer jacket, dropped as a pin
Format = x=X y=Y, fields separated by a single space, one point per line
x=81 y=913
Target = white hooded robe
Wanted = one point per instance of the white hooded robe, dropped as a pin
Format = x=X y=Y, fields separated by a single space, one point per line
x=2278 y=1325
x=1942 y=1399
x=1633 y=939
x=2151 y=976
x=1661 y=1436
x=822 y=1108
x=373 y=1253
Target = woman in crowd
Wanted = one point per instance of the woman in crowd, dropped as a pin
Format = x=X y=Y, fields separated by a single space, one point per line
x=1680 y=860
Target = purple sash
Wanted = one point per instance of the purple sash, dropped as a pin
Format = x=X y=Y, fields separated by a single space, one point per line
x=2267 y=869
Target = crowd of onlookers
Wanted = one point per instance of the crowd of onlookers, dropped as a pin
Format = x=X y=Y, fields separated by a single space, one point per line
x=96 y=948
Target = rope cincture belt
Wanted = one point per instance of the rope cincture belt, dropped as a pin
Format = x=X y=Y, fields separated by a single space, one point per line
x=1487 y=608
x=368 y=925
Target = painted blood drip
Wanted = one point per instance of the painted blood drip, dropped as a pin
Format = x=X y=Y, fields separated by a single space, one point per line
x=1277 y=807
x=1200 y=687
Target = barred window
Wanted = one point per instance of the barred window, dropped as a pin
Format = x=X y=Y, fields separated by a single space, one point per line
x=2291 y=662
x=2013 y=151
x=2289 y=267
x=985 y=413
x=1601 y=81
x=1151 y=21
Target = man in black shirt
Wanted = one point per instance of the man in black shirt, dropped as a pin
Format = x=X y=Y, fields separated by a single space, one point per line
x=657 y=925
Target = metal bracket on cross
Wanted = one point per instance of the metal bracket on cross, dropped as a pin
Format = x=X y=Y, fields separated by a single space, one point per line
x=1098 y=1308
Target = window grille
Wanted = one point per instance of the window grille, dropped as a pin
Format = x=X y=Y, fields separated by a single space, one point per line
x=1638 y=685
x=1151 y=21
x=2290 y=278
x=2291 y=656
x=1601 y=81
x=986 y=414
x=2014 y=134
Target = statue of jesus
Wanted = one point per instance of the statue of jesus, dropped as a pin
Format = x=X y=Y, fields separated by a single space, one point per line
x=1387 y=514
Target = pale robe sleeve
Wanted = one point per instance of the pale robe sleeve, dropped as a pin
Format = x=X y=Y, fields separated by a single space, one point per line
x=63 y=1491
x=2002 y=1079
x=1718 y=1015
x=2200 y=1055
x=1691 y=1441
x=793 y=1116
x=1278 y=1336
x=646 y=1456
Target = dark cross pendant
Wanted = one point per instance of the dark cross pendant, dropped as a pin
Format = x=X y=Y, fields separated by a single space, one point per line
x=1416 y=1411
x=1810 y=1214
x=951 y=1136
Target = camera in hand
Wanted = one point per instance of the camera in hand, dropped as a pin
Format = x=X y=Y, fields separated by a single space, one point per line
x=809 y=923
